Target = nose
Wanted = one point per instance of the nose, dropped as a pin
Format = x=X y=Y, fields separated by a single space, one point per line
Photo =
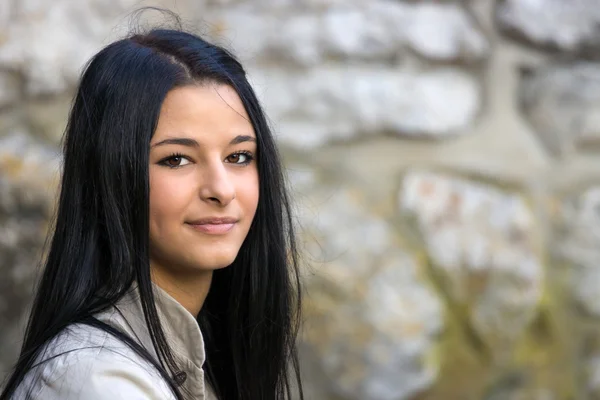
x=216 y=185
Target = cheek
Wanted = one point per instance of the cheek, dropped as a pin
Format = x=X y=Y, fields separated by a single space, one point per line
x=248 y=193
x=168 y=199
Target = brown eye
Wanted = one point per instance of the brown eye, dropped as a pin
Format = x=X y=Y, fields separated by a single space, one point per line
x=239 y=158
x=234 y=158
x=175 y=161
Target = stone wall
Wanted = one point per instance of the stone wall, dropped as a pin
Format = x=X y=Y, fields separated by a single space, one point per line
x=444 y=157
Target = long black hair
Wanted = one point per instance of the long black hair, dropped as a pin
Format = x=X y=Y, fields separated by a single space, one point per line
x=99 y=244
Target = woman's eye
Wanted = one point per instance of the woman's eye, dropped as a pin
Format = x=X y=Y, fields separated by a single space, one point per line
x=175 y=161
x=239 y=158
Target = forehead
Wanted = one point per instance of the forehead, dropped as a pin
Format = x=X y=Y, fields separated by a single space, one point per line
x=209 y=112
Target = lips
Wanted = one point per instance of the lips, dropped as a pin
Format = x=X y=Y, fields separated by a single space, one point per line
x=214 y=225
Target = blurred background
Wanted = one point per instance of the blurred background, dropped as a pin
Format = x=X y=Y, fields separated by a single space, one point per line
x=445 y=164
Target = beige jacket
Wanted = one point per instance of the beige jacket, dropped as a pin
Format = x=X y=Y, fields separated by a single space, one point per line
x=91 y=364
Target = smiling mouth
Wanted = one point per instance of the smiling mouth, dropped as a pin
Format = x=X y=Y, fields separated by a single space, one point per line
x=213 y=226
x=213 y=229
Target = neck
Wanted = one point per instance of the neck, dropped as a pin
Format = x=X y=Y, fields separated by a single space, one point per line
x=190 y=290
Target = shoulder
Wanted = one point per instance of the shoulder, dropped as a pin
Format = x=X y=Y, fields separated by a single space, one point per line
x=87 y=363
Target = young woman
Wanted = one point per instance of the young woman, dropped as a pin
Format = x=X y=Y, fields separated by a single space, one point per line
x=172 y=271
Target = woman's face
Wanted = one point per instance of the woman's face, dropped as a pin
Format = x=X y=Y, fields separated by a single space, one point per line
x=203 y=180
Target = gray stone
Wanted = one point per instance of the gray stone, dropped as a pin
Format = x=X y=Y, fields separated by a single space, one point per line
x=28 y=173
x=336 y=103
x=326 y=242
x=444 y=32
x=562 y=103
x=49 y=42
x=370 y=318
x=30 y=170
x=10 y=88
x=566 y=25
x=380 y=30
x=517 y=385
x=536 y=394
x=288 y=5
x=47 y=118
x=6 y=8
x=10 y=119
x=592 y=366
x=483 y=244
x=369 y=31
x=578 y=241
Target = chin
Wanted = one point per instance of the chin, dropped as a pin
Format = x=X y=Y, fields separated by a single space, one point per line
x=214 y=265
x=215 y=261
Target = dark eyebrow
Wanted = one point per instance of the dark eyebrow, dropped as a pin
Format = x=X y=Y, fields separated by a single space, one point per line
x=242 y=138
x=192 y=143
x=180 y=141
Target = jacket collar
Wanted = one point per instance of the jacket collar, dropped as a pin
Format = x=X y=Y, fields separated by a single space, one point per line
x=181 y=330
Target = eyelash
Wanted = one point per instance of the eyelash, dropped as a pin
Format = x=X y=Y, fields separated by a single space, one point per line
x=249 y=158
